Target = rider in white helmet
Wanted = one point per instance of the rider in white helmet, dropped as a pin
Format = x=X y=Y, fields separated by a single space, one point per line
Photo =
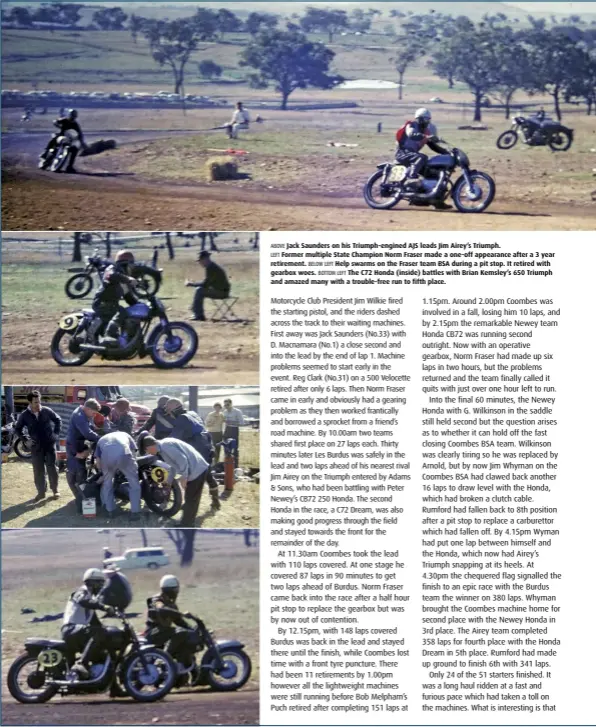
x=81 y=628
x=411 y=138
x=166 y=626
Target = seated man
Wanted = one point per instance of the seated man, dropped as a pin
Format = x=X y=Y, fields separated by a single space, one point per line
x=240 y=120
x=166 y=624
x=115 y=452
x=65 y=123
x=215 y=285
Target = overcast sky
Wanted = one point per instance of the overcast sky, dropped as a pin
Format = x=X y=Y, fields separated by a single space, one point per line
x=588 y=7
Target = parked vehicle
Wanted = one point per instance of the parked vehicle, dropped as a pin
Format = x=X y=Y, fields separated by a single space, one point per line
x=537 y=130
x=134 y=558
x=473 y=191
x=12 y=442
x=170 y=344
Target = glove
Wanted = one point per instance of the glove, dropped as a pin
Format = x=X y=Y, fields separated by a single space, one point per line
x=110 y=611
x=187 y=614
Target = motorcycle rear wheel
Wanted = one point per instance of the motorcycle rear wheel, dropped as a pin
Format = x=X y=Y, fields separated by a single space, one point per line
x=560 y=141
x=374 y=199
x=166 y=509
x=507 y=140
x=22 y=449
x=14 y=688
x=149 y=283
x=159 y=341
x=233 y=659
x=78 y=286
x=77 y=360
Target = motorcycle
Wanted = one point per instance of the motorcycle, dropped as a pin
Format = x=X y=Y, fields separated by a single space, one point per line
x=171 y=344
x=11 y=441
x=473 y=191
x=80 y=285
x=160 y=497
x=537 y=130
x=141 y=670
x=224 y=666
x=59 y=155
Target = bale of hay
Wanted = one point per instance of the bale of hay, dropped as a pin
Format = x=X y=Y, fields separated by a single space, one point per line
x=221 y=168
x=97 y=147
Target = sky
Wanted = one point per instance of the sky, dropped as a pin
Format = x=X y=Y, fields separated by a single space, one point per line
x=587 y=7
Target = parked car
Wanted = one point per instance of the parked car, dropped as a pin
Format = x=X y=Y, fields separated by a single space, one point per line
x=132 y=558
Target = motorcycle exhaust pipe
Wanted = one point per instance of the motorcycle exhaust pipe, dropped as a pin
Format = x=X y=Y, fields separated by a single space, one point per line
x=91 y=347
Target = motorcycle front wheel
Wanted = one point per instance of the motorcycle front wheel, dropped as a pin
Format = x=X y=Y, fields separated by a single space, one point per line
x=22 y=448
x=560 y=141
x=174 y=345
x=64 y=352
x=507 y=140
x=26 y=684
x=78 y=286
x=476 y=197
x=60 y=159
x=373 y=193
x=166 y=500
x=152 y=681
x=235 y=673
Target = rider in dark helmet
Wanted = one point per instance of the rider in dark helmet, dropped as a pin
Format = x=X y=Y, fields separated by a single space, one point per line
x=116 y=284
x=166 y=624
x=65 y=123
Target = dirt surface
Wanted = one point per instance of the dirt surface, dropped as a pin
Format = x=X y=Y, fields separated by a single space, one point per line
x=182 y=707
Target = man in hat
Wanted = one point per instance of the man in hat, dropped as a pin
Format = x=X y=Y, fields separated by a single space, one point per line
x=215 y=285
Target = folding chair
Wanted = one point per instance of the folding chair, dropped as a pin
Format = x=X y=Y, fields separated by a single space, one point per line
x=224 y=309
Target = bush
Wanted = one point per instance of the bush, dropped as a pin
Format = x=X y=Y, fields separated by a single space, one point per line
x=221 y=168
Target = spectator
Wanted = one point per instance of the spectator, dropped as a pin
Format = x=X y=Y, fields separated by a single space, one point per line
x=215 y=285
x=240 y=120
x=160 y=419
x=215 y=426
x=43 y=426
x=233 y=419
x=115 y=452
x=80 y=431
x=187 y=464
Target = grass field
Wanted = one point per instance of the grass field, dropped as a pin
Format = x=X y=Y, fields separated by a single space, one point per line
x=239 y=509
x=41 y=569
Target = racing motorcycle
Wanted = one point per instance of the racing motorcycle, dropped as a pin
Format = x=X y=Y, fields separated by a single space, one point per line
x=473 y=191
x=59 y=155
x=141 y=670
x=225 y=666
x=11 y=441
x=160 y=497
x=80 y=285
x=537 y=130
x=171 y=344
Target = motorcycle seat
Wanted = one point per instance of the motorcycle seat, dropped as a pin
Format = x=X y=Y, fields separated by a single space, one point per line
x=46 y=643
x=88 y=311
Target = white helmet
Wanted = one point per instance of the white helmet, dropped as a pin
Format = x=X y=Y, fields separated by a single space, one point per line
x=170 y=586
x=424 y=115
x=94 y=578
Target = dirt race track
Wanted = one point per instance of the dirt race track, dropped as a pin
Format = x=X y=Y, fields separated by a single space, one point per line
x=107 y=199
x=180 y=707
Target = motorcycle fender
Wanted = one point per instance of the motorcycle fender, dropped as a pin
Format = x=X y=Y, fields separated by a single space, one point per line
x=381 y=166
x=570 y=132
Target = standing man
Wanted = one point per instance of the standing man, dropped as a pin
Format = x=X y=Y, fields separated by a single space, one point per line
x=215 y=426
x=43 y=426
x=215 y=285
x=160 y=419
x=80 y=430
x=233 y=419
x=123 y=420
x=115 y=452
x=188 y=427
x=188 y=464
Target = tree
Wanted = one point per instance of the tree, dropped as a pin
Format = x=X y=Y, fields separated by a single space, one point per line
x=290 y=61
x=171 y=43
x=512 y=65
x=65 y=13
x=256 y=22
x=227 y=22
x=323 y=20
x=135 y=25
x=20 y=16
x=110 y=18
x=205 y=23
x=77 y=256
x=169 y=245
x=183 y=539
x=583 y=86
x=360 y=21
x=209 y=69
x=407 y=54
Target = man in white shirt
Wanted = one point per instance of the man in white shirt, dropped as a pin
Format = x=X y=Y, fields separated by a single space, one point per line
x=240 y=120
x=233 y=419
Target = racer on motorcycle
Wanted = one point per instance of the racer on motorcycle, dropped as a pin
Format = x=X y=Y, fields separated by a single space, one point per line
x=116 y=285
x=65 y=123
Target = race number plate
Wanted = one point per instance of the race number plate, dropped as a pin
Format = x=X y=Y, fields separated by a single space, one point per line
x=69 y=323
x=397 y=173
x=48 y=658
x=159 y=474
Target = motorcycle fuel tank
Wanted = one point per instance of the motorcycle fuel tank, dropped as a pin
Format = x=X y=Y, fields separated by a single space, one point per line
x=442 y=161
x=138 y=310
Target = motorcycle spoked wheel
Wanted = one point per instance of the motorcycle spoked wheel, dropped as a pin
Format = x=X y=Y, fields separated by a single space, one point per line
x=78 y=286
x=234 y=675
x=375 y=198
x=35 y=681
x=149 y=283
x=560 y=141
x=484 y=187
x=165 y=501
x=60 y=352
x=507 y=140
x=168 y=349
x=60 y=160
x=160 y=675
x=22 y=449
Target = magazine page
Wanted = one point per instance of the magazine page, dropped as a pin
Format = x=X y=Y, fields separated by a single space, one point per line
x=296 y=363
